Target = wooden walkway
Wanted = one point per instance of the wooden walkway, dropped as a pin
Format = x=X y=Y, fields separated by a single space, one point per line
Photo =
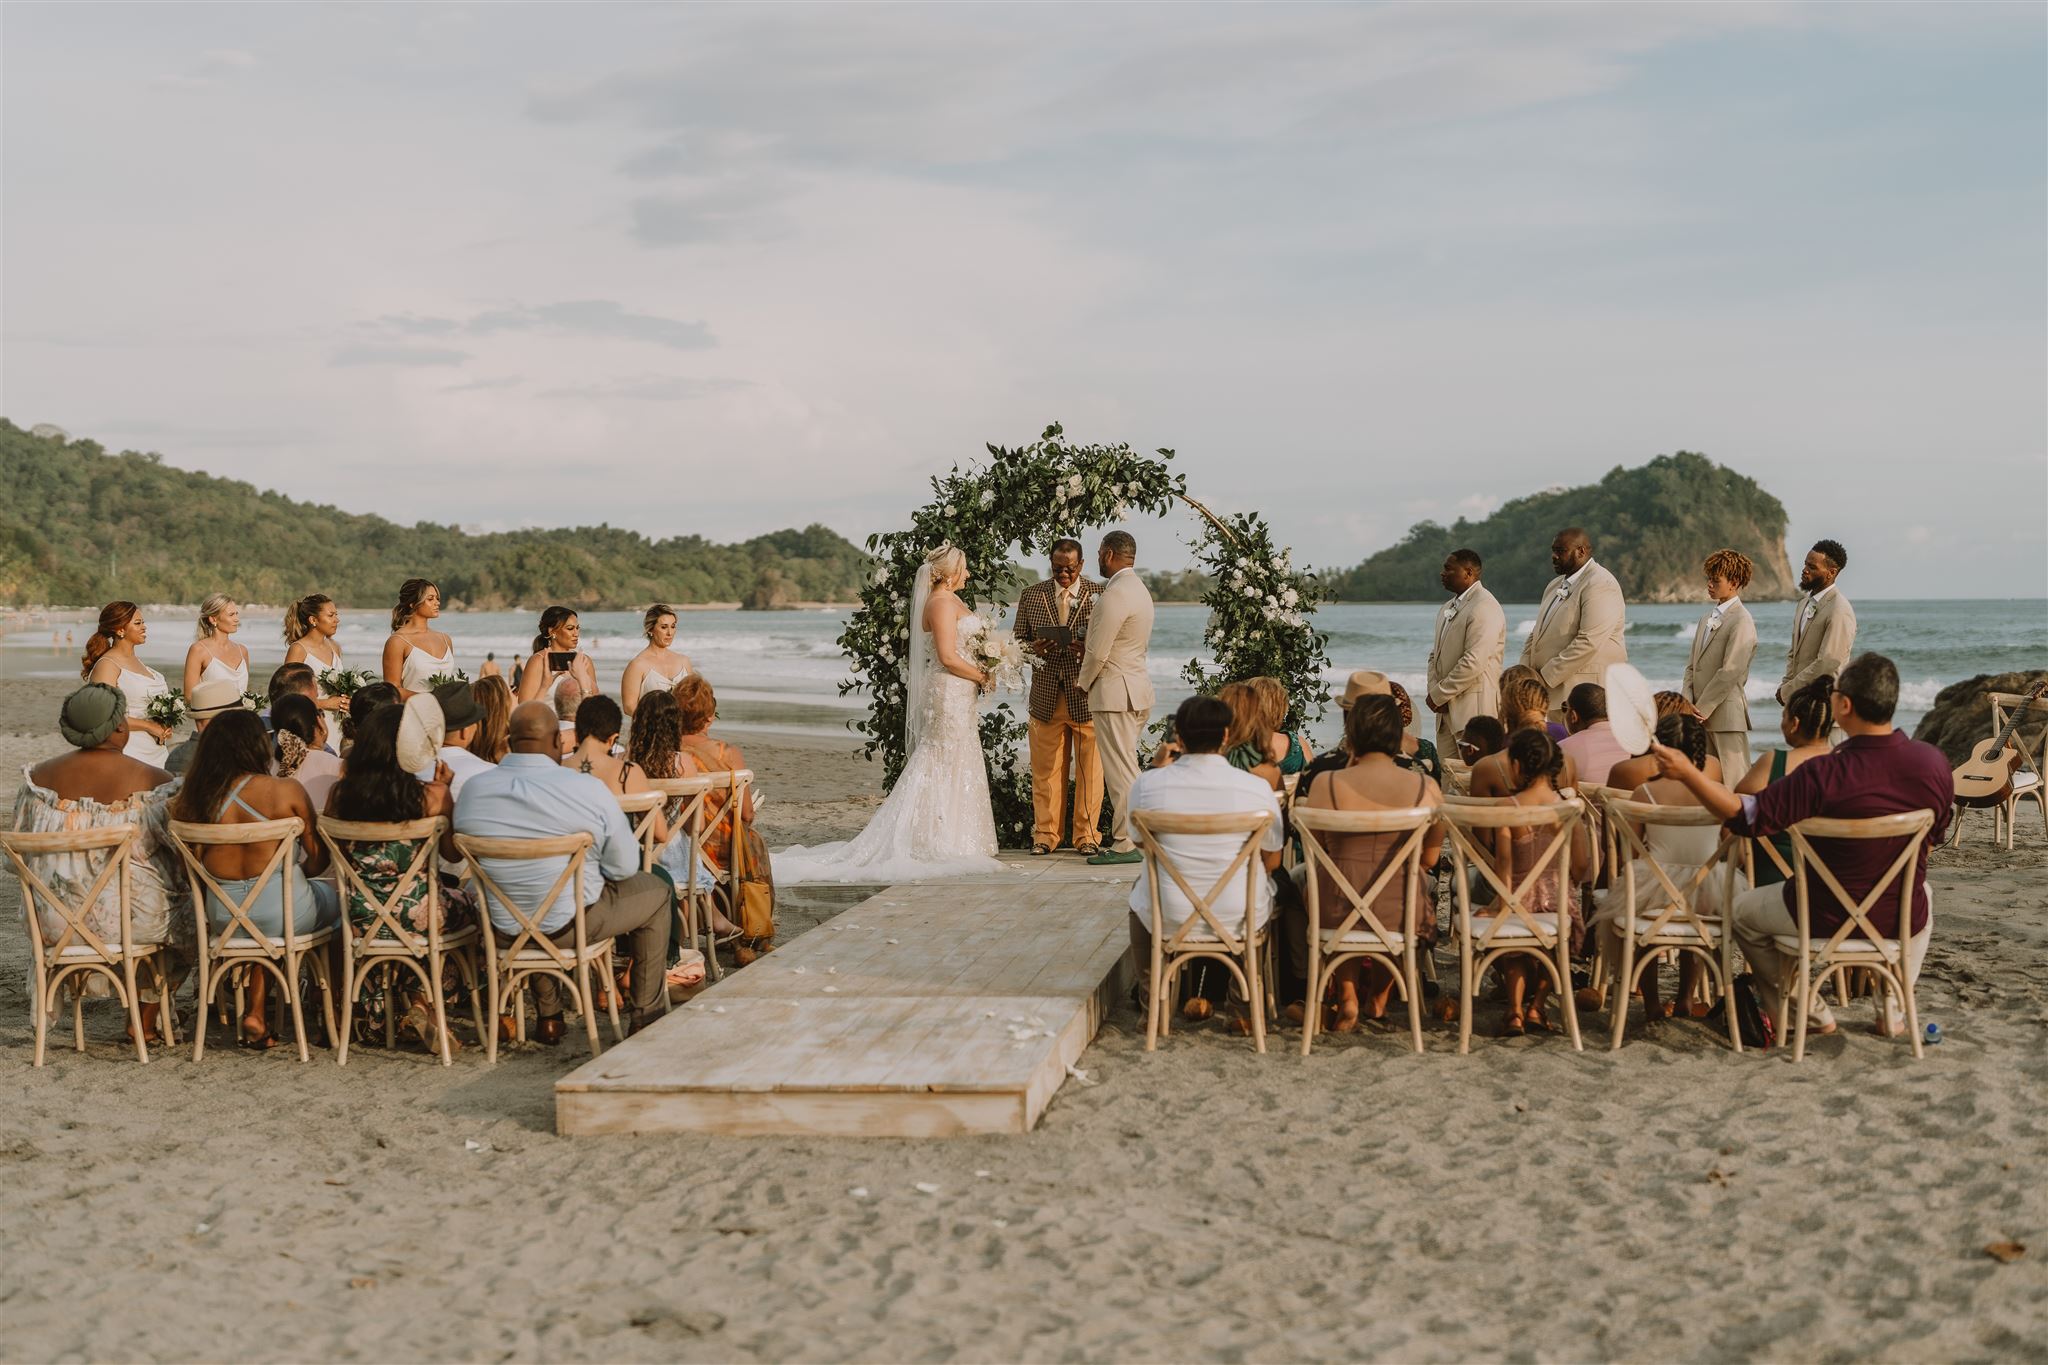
x=928 y=1010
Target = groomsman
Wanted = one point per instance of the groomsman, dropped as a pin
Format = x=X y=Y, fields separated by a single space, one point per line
x=1824 y=626
x=1465 y=661
x=1052 y=621
x=1580 y=623
x=1119 y=688
x=1717 y=673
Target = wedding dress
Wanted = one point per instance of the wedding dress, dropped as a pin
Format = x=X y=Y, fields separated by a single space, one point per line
x=937 y=822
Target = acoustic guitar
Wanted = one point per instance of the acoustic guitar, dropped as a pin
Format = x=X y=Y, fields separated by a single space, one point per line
x=1985 y=778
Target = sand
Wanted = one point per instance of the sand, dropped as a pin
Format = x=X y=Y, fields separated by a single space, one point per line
x=1671 y=1201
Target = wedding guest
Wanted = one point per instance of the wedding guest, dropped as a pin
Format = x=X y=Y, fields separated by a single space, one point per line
x=208 y=700
x=1877 y=770
x=567 y=696
x=1481 y=737
x=532 y=796
x=1629 y=773
x=1363 y=682
x=214 y=653
x=656 y=746
x=110 y=659
x=299 y=735
x=1717 y=669
x=310 y=625
x=1417 y=754
x=229 y=783
x=415 y=652
x=1581 y=622
x=462 y=719
x=368 y=698
x=1807 y=724
x=1591 y=744
x=97 y=786
x=1201 y=782
x=1471 y=643
x=1524 y=700
x=1823 y=624
x=556 y=659
x=658 y=667
x=1294 y=750
x=1375 y=779
x=290 y=680
x=1249 y=744
x=702 y=752
x=1051 y=621
x=492 y=739
x=1519 y=703
x=597 y=725
x=1537 y=775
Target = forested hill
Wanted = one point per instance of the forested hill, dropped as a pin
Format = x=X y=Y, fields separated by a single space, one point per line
x=79 y=526
x=1651 y=526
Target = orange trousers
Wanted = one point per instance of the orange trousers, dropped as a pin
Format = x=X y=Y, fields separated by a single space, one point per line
x=1055 y=745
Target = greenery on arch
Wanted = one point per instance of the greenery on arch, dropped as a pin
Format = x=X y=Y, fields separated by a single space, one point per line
x=1260 y=605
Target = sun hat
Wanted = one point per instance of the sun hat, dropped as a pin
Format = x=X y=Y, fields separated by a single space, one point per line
x=420 y=731
x=209 y=699
x=459 y=709
x=91 y=714
x=1631 y=708
x=1364 y=683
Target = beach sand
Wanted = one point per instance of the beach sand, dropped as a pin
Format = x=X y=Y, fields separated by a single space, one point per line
x=1671 y=1201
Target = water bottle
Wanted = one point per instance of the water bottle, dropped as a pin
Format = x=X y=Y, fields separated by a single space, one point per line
x=1933 y=1034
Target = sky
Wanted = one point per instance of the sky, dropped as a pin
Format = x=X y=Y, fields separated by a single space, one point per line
x=719 y=270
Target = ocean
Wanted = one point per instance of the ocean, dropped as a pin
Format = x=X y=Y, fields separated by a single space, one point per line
x=779 y=672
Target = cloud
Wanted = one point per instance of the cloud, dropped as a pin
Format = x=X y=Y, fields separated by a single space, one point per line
x=576 y=317
x=651 y=388
x=510 y=381
x=209 y=69
x=397 y=355
x=725 y=209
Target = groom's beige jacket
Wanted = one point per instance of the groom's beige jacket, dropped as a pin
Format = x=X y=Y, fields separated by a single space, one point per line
x=1119 y=633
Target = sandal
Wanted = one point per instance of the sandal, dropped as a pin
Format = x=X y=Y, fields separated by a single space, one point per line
x=1087 y=850
x=1511 y=1027
x=1040 y=850
x=261 y=1041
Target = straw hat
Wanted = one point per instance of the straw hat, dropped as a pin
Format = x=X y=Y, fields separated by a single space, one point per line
x=1364 y=683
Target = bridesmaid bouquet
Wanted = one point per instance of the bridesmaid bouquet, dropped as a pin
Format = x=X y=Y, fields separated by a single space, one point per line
x=343 y=682
x=999 y=653
x=167 y=708
x=443 y=679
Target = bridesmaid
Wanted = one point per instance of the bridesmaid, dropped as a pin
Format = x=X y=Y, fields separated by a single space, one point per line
x=416 y=651
x=309 y=627
x=559 y=633
x=214 y=655
x=110 y=658
x=658 y=667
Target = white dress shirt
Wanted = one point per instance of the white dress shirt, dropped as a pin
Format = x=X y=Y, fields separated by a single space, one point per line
x=1713 y=621
x=462 y=765
x=1204 y=784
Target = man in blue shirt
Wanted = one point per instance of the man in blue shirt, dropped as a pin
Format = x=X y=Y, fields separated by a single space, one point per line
x=530 y=795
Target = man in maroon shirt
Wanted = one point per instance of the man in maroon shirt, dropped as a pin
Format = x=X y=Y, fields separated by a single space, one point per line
x=1875 y=771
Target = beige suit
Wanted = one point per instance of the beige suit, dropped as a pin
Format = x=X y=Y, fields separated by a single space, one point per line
x=1717 y=682
x=1464 y=664
x=1578 y=636
x=1119 y=689
x=1820 y=645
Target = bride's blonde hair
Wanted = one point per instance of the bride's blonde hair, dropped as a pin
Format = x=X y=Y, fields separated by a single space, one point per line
x=948 y=565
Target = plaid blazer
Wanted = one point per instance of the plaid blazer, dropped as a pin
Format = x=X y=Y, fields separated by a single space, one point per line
x=1052 y=678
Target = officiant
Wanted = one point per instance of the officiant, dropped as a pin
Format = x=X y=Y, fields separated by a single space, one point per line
x=1051 y=625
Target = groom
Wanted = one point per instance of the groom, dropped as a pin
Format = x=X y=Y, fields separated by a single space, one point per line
x=1118 y=687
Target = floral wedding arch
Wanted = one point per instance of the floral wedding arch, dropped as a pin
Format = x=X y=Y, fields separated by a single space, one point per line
x=1259 y=603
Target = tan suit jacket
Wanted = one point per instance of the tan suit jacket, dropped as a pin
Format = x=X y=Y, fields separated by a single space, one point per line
x=1717 y=673
x=1577 y=638
x=1464 y=665
x=1820 y=647
x=1113 y=672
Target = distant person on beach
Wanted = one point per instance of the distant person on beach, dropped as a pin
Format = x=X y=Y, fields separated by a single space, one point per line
x=556 y=659
x=415 y=652
x=1471 y=643
x=658 y=667
x=110 y=658
x=309 y=629
x=214 y=655
x=1717 y=671
x=1823 y=624
x=208 y=700
x=1581 y=622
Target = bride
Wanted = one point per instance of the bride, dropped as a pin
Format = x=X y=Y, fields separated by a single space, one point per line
x=937 y=821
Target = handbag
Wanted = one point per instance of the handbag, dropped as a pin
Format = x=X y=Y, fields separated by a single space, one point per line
x=753 y=880
x=1755 y=1027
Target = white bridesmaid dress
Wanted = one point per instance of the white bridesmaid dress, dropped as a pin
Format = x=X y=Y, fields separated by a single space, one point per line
x=420 y=666
x=140 y=689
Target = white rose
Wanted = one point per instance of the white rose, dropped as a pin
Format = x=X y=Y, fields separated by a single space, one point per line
x=988 y=497
x=1251 y=592
x=888 y=655
x=951 y=510
x=881 y=575
x=1290 y=597
x=1271 y=612
x=1075 y=485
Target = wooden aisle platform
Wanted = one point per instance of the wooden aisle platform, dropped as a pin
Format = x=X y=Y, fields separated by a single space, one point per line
x=929 y=1010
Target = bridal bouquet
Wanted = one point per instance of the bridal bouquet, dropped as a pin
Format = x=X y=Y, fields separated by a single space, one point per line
x=343 y=682
x=167 y=708
x=999 y=653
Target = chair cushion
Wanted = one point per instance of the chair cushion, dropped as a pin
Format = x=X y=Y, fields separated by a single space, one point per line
x=1363 y=938
x=1676 y=928
x=1848 y=947
x=1482 y=925
x=2023 y=780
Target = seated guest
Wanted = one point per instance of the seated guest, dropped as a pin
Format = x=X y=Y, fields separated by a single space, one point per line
x=492 y=740
x=598 y=722
x=1629 y=773
x=1536 y=769
x=461 y=719
x=1417 y=754
x=696 y=708
x=229 y=783
x=1201 y=782
x=299 y=737
x=1481 y=737
x=567 y=696
x=208 y=700
x=291 y=680
x=1375 y=779
x=366 y=699
x=96 y=786
x=1294 y=751
x=1591 y=743
x=532 y=796
x=1877 y=770
x=1524 y=705
x=1363 y=683
x=1249 y=745
x=1807 y=725
x=1514 y=710
x=656 y=749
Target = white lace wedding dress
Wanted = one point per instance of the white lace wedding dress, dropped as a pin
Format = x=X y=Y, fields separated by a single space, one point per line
x=937 y=821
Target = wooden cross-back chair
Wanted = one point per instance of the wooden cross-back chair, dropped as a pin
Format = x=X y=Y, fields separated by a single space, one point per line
x=1857 y=942
x=1202 y=935
x=2005 y=815
x=531 y=952
x=1514 y=927
x=639 y=809
x=241 y=943
x=78 y=950
x=1360 y=935
x=386 y=942
x=729 y=824
x=1673 y=921
x=688 y=802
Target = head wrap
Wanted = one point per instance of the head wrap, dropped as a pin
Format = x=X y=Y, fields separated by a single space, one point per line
x=91 y=714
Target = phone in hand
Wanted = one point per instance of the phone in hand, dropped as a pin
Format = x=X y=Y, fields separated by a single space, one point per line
x=559 y=660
